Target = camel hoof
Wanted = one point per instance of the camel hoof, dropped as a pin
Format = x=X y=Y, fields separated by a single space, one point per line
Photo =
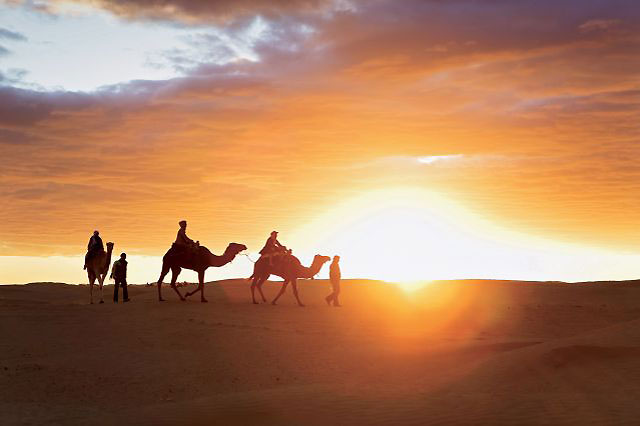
x=204 y=301
x=273 y=303
x=301 y=305
x=184 y=299
x=161 y=300
x=102 y=301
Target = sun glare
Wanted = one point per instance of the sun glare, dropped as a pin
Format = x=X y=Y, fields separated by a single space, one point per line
x=411 y=236
x=397 y=235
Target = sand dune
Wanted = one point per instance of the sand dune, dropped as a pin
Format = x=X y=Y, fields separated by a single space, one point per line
x=466 y=352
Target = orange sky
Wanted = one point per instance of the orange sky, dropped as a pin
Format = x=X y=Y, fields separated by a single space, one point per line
x=538 y=102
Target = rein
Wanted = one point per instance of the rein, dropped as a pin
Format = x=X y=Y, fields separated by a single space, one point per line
x=247 y=256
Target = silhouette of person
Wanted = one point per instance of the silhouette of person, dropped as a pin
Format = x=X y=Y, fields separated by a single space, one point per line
x=119 y=274
x=182 y=240
x=334 y=278
x=95 y=246
x=272 y=247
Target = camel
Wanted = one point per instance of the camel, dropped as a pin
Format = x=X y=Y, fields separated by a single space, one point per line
x=287 y=267
x=97 y=267
x=198 y=260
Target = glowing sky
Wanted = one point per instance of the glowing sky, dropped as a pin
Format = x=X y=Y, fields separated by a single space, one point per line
x=251 y=115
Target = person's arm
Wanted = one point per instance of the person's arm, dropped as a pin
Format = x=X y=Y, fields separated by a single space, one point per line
x=113 y=269
x=183 y=235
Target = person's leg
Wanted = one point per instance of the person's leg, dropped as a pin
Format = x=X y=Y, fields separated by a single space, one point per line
x=330 y=297
x=125 y=292
x=115 y=291
x=336 y=294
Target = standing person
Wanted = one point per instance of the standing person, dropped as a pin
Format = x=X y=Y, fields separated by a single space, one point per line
x=119 y=273
x=95 y=246
x=334 y=277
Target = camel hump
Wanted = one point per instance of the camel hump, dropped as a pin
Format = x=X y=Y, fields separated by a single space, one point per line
x=179 y=249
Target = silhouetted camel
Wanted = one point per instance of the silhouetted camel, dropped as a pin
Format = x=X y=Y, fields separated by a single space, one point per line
x=287 y=267
x=97 y=267
x=199 y=261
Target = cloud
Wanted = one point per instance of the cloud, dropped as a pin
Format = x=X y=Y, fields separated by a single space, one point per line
x=195 y=11
x=245 y=146
x=12 y=137
x=431 y=159
x=11 y=35
x=598 y=25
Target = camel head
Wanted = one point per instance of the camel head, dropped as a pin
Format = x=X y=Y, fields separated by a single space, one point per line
x=109 y=246
x=235 y=248
x=320 y=259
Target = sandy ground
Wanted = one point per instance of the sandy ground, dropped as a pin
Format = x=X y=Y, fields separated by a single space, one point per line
x=452 y=353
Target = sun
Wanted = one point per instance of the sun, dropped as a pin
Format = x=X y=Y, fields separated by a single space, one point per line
x=403 y=235
x=411 y=236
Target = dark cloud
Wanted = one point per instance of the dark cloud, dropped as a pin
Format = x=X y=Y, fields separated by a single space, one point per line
x=214 y=11
x=24 y=107
x=12 y=137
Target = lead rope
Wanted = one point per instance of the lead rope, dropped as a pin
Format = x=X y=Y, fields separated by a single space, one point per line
x=247 y=256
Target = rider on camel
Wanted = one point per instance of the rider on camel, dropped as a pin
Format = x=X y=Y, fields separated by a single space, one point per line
x=272 y=247
x=182 y=241
x=95 y=246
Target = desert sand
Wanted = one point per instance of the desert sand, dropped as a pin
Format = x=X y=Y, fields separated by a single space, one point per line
x=455 y=352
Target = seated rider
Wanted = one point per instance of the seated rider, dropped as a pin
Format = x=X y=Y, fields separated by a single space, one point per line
x=182 y=241
x=95 y=246
x=272 y=247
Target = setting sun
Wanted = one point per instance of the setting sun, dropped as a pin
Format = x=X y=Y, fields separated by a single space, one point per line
x=409 y=236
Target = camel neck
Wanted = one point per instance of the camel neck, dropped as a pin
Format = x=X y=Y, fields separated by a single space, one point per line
x=308 y=272
x=226 y=257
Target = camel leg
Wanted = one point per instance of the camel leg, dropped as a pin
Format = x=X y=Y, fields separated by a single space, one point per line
x=201 y=286
x=163 y=273
x=101 y=281
x=281 y=292
x=91 y=281
x=253 y=291
x=174 y=277
x=264 y=299
x=191 y=293
x=255 y=284
x=294 y=284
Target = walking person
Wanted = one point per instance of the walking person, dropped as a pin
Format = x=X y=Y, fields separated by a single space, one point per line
x=334 y=277
x=119 y=274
